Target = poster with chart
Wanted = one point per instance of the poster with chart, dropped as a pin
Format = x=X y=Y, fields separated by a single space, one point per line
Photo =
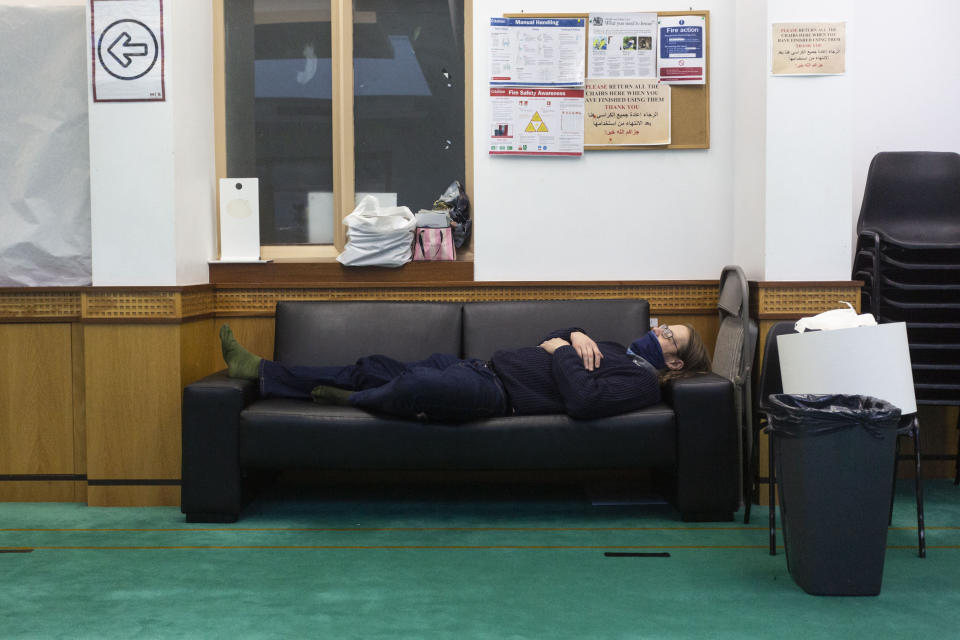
x=528 y=121
x=537 y=51
x=622 y=45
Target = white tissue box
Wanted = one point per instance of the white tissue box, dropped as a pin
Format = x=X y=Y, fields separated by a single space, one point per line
x=432 y=219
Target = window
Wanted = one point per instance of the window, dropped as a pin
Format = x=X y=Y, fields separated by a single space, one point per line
x=327 y=100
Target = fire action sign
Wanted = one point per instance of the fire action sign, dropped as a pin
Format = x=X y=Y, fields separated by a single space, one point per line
x=127 y=53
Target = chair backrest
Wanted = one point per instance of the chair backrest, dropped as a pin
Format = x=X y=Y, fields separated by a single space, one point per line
x=771 y=381
x=737 y=337
x=912 y=198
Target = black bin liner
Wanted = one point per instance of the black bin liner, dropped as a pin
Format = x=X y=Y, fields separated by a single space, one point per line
x=835 y=463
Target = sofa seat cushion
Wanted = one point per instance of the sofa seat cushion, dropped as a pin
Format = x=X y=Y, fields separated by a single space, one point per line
x=285 y=433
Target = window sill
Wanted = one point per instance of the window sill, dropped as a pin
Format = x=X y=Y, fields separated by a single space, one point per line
x=326 y=271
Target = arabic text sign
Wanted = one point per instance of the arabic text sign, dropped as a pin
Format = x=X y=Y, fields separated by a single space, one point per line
x=127 y=41
x=626 y=112
x=809 y=48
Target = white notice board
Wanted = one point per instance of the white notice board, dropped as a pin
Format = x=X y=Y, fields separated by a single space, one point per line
x=127 y=50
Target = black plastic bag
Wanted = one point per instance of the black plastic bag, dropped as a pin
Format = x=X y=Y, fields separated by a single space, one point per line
x=805 y=416
x=456 y=204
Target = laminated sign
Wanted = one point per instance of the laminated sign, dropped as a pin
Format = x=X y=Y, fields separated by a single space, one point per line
x=127 y=50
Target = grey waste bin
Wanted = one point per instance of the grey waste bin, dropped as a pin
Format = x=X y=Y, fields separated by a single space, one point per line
x=834 y=462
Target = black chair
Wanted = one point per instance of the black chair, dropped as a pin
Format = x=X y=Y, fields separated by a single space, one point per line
x=912 y=199
x=770 y=383
x=733 y=359
x=908 y=256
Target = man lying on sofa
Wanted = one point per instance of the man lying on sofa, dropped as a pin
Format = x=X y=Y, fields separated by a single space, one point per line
x=567 y=373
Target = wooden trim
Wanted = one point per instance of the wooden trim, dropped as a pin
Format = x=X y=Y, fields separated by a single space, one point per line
x=468 y=145
x=781 y=284
x=79 y=401
x=219 y=108
x=332 y=273
x=341 y=42
x=683 y=299
x=253 y=289
x=133 y=496
x=794 y=300
x=299 y=252
x=42 y=477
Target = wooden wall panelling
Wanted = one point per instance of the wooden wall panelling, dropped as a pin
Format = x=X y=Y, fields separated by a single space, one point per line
x=938 y=443
x=36 y=412
x=133 y=392
x=79 y=409
x=199 y=354
x=256 y=334
x=65 y=490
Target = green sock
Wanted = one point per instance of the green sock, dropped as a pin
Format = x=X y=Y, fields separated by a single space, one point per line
x=323 y=394
x=240 y=362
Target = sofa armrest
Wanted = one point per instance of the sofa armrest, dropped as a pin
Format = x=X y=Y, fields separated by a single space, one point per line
x=707 y=458
x=211 y=483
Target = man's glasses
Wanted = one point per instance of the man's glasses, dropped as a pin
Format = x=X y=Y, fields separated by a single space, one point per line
x=665 y=331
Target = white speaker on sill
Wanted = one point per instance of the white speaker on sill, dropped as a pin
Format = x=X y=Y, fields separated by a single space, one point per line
x=239 y=220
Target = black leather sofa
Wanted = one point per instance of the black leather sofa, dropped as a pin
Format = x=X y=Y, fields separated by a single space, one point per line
x=229 y=430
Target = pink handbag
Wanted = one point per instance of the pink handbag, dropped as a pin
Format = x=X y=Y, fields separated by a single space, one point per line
x=434 y=244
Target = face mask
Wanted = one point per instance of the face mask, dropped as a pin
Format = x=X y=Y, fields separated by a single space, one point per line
x=648 y=347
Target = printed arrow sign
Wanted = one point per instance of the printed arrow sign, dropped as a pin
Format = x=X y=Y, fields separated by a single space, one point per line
x=126 y=49
x=127 y=41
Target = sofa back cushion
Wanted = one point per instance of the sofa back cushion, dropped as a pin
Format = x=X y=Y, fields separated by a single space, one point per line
x=339 y=332
x=488 y=326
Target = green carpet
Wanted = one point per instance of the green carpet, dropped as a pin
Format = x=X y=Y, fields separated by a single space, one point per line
x=452 y=564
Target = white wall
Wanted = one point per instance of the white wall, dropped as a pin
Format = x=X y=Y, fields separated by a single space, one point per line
x=609 y=215
x=750 y=136
x=907 y=82
x=152 y=167
x=778 y=191
x=191 y=92
x=808 y=159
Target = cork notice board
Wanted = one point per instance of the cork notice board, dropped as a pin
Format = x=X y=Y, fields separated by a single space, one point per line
x=689 y=104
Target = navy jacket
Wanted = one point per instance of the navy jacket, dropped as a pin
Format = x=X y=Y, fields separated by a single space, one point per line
x=538 y=382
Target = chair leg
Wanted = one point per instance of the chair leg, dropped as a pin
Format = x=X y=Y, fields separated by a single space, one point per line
x=921 y=532
x=773 y=496
x=956 y=479
x=893 y=488
x=753 y=473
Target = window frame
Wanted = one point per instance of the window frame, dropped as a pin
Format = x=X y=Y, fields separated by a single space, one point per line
x=341 y=27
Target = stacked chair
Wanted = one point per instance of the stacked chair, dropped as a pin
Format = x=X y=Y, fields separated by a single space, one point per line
x=733 y=359
x=908 y=256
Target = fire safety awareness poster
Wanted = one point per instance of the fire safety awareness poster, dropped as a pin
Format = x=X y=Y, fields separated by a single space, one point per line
x=127 y=41
x=536 y=121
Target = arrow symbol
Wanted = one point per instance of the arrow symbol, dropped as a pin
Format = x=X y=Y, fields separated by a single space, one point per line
x=126 y=49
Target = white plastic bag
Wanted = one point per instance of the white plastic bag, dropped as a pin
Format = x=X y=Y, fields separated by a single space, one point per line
x=378 y=236
x=836 y=319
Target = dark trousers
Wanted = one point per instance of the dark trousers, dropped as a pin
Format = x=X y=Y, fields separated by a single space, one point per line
x=442 y=387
